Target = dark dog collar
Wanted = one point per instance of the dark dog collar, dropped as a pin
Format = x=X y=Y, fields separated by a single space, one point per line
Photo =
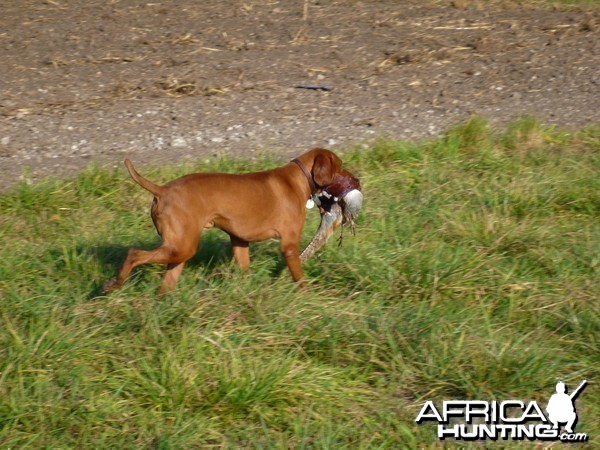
x=311 y=182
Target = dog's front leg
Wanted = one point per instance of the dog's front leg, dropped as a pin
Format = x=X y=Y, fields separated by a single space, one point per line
x=241 y=252
x=291 y=253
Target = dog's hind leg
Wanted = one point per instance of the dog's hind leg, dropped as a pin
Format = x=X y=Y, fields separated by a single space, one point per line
x=171 y=276
x=178 y=246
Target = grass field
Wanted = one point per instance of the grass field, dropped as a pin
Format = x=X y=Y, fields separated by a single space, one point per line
x=473 y=275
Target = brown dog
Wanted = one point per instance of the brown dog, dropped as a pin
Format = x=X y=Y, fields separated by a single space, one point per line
x=249 y=207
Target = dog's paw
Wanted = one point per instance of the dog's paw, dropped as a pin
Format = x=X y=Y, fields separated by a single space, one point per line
x=110 y=285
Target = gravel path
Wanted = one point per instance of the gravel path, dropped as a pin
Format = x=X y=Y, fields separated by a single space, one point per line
x=106 y=80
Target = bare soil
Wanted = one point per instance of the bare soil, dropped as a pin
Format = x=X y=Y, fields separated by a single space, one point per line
x=165 y=81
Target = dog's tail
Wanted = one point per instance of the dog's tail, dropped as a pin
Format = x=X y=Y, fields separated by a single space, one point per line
x=143 y=182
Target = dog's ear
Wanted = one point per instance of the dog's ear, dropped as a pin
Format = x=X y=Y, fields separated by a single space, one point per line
x=325 y=166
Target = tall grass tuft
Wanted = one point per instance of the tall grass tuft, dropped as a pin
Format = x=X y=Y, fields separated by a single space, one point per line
x=473 y=275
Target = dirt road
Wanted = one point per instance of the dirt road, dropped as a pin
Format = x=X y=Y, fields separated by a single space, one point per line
x=165 y=81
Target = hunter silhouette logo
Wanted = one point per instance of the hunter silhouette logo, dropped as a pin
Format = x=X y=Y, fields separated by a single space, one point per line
x=510 y=419
x=561 y=406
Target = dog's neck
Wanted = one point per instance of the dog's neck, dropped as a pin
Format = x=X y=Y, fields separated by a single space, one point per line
x=311 y=182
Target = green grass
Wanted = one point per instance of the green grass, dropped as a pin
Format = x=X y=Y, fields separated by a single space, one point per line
x=473 y=275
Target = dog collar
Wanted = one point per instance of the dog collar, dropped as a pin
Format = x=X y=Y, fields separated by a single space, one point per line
x=311 y=182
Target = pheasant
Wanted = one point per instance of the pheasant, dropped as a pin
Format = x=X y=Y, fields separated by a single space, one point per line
x=339 y=204
x=344 y=189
